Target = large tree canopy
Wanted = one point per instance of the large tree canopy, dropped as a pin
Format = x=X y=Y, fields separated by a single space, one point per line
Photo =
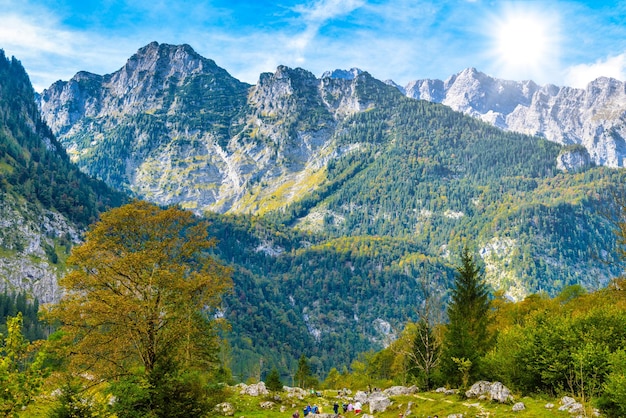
x=141 y=293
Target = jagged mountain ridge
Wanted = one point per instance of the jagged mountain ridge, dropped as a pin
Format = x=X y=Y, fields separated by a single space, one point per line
x=226 y=152
x=593 y=117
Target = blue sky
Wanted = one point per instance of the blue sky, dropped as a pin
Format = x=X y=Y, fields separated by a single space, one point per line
x=558 y=42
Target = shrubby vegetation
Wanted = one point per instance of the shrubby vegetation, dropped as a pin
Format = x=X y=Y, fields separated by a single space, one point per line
x=571 y=345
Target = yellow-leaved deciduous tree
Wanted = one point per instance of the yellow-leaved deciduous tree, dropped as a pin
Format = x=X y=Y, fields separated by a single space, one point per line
x=141 y=294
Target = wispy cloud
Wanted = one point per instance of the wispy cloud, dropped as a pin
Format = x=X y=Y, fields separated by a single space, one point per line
x=52 y=52
x=314 y=17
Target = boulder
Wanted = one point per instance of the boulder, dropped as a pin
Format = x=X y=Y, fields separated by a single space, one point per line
x=225 y=409
x=254 y=390
x=361 y=396
x=549 y=406
x=455 y=416
x=446 y=391
x=295 y=392
x=400 y=390
x=519 y=407
x=379 y=402
x=571 y=406
x=495 y=391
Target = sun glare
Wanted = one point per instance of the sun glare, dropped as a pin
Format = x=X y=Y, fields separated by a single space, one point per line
x=525 y=43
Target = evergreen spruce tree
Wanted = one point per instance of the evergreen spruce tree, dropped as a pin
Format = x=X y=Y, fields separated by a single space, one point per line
x=466 y=337
x=272 y=381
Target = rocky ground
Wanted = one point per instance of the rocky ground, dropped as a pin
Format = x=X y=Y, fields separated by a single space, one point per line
x=483 y=399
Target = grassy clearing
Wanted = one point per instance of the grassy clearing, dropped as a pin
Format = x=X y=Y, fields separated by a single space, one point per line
x=423 y=404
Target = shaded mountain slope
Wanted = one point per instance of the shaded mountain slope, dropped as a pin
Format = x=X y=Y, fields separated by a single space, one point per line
x=45 y=199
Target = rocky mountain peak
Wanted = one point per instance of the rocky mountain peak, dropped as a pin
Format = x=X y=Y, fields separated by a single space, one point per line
x=180 y=58
x=156 y=66
x=284 y=90
x=350 y=74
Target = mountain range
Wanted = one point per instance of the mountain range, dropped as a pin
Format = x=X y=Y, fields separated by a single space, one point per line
x=339 y=201
x=593 y=117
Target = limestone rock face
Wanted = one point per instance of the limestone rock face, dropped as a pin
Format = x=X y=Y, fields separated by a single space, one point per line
x=27 y=235
x=591 y=117
x=495 y=391
x=573 y=160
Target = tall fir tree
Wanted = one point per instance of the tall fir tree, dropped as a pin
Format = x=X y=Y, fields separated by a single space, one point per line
x=466 y=336
x=303 y=374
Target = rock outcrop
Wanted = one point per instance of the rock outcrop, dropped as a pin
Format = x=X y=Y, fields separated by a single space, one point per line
x=256 y=389
x=570 y=405
x=573 y=159
x=495 y=391
x=29 y=235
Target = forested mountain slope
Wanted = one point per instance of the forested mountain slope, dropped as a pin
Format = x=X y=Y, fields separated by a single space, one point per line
x=44 y=199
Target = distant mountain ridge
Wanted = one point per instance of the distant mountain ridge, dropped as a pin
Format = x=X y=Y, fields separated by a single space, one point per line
x=593 y=117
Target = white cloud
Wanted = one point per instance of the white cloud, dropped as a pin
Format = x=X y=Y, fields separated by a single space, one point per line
x=50 y=52
x=582 y=74
x=23 y=33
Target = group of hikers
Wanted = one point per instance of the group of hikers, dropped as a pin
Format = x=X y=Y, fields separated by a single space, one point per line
x=356 y=407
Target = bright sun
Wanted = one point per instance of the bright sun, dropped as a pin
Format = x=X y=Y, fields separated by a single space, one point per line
x=524 y=43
